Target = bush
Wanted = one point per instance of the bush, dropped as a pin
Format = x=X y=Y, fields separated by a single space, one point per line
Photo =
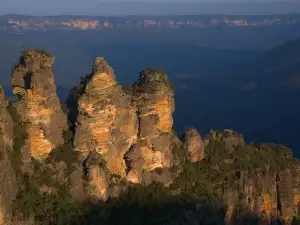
x=26 y=52
x=20 y=136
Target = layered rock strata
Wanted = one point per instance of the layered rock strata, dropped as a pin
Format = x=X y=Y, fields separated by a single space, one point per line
x=154 y=98
x=106 y=121
x=38 y=104
x=263 y=181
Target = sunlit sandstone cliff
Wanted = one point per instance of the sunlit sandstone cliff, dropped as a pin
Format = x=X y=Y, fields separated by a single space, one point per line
x=124 y=136
x=107 y=120
x=38 y=104
x=154 y=98
x=259 y=179
x=8 y=185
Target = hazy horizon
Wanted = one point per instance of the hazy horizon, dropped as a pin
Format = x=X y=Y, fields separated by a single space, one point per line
x=166 y=7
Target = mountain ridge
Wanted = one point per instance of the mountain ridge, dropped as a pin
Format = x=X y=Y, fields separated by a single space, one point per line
x=18 y=23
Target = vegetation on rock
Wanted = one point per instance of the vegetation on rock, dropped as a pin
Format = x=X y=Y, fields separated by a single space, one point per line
x=27 y=52
x=20 y=136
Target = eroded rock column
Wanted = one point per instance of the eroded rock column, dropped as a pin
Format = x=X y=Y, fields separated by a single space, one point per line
x=107 y=121
x=194 y=144
x=154 y=98
x=38 y=104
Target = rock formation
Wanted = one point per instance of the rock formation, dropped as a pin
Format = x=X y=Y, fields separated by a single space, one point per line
x=262 y=180
x=154 y=98
x=97 y=181
x=8 y=185
x=194 y=144
x=38 y=104
x=228 y=137
x=106 y=120
x=120 y=135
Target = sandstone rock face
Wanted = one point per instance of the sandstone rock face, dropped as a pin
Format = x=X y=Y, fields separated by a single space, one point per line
x=8 y=185
x=6 y=123
x=107 y=121
x=127 y=134
x=97 y=182
x=38 y=104
x=194 y=144
x=267 y=191
x=154 y=98
x=269 y=197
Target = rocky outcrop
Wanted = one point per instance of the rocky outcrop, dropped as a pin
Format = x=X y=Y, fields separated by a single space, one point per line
x=194 y=144
x=124 y=134
x=154 y=98
x=259 y=181
x=228 y=137
x=106 y=120
x=38 y=104
x=97 y=182
x=8 y=184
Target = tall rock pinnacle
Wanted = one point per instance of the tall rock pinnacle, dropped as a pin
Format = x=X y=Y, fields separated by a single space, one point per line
x=106 y=121
x=154 y=98
x=194 y=144
x=38 y=104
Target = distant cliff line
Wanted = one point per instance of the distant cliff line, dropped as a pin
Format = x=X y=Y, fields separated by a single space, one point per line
x=28 y=23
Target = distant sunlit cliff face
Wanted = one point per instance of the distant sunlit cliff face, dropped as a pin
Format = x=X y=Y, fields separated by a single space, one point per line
x=25 y=23
x=118 y=147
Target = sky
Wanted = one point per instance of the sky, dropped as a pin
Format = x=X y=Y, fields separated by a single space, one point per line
x=128 y=7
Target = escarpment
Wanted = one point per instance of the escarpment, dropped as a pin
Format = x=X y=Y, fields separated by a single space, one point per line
x=8 y=185
x=37 y=103
x=121 y=149
x=262 y=180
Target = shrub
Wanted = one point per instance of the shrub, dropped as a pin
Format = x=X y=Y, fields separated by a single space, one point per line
x=20 y=136
x=26 y=52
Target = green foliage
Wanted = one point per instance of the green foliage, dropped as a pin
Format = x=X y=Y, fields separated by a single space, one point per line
x=27 y=52
x=180 y=154
x=157 y=76
x=65 y=153
x=138 y=204
x=149 y=70
x=44 y=209
x=205 y=179
x=20 y=136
